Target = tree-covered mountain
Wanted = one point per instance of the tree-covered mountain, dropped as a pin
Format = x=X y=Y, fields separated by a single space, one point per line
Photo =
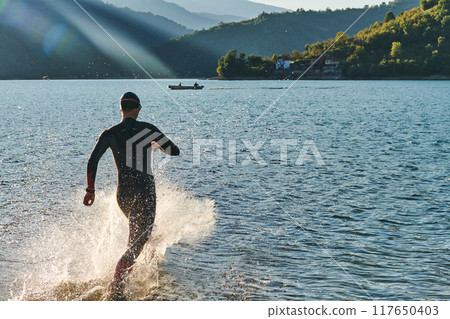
x=196 y=54
x=56 y=38
x=415 y=43
x=172 y=11
x=246 y=8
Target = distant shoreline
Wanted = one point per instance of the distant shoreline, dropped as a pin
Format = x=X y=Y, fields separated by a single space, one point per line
x=329 y=78
x=307 y=78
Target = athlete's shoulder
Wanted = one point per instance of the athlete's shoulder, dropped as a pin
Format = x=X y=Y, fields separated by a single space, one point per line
x=110 y=130
x=149 y=126
x=116 y=127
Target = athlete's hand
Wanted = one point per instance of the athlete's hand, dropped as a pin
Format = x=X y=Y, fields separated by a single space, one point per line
x=155 y=146
x=89 y=199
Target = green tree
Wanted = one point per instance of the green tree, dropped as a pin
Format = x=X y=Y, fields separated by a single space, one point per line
x=396 y=50
x=254 y=60
x=341 y=39
x=295 y=55
x=444 y=5
x=237 y=65
x=446 y=26
x=307 y=47
x=428 y=4
x=255 y=65
x=389 y=17
x=444 y=57
x=231 y=64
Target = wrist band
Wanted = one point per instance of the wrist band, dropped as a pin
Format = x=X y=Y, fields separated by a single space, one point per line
x=90 y=190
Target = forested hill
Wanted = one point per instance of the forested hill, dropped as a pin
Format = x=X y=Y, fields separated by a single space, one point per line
x=196 y=54
x=415 y=44
x=56 y=38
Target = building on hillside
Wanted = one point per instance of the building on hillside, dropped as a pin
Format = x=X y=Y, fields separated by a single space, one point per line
x=317 y=67
x=326 y=62
x=283 y=63
x=325 y=67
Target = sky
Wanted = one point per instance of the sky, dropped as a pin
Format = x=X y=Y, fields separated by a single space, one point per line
x=320 y=4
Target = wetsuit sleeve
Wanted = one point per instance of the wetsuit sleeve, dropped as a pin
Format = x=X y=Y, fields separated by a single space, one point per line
x=98 y=151
x=165 y=143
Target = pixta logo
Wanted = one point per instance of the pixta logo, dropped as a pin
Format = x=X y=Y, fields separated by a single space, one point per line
x=139 y=150
x=254 y=152
x=233 y=152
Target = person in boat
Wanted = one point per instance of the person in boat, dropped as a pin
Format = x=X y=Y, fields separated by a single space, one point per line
x=196 y=85
x=179 y=84
x=136 y=189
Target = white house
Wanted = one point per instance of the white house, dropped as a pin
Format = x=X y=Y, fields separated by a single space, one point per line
x=283 y=64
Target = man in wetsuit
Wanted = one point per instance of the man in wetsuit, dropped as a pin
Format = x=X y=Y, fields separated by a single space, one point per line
x=136 y=187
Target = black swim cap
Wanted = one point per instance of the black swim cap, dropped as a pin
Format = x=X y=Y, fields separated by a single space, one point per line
x=129 y=101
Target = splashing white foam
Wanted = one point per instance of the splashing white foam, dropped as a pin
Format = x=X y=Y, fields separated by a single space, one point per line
x=75 y=255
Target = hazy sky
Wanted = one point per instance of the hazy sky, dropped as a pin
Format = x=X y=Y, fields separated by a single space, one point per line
x=320 y=4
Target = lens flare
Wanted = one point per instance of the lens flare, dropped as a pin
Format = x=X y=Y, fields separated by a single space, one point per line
x=3 y=4
x=53 y=38
x=13 y=13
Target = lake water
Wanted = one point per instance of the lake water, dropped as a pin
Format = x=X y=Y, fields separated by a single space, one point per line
x=340 y=191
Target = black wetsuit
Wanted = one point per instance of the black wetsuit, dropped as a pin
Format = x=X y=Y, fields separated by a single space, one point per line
x=136 y=188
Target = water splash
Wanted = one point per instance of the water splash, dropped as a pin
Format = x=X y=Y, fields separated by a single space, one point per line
x=75 y=257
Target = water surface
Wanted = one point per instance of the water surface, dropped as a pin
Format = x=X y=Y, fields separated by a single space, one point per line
x=371 y=223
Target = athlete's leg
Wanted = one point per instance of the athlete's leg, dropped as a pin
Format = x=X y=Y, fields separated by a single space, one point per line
x=126 y=199
x=141 y=216
x=141 y=224
x=141 y=221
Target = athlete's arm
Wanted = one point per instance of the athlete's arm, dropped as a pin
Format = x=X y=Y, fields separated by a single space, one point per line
x=97 y=153
x=164 y=143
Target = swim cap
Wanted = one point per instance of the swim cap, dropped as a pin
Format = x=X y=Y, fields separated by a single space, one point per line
x=129 y=101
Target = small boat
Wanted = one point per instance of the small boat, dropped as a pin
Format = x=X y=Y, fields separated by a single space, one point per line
x=193 y=87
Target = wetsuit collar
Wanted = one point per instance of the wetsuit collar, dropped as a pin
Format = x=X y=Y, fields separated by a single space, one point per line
x=129 y=118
